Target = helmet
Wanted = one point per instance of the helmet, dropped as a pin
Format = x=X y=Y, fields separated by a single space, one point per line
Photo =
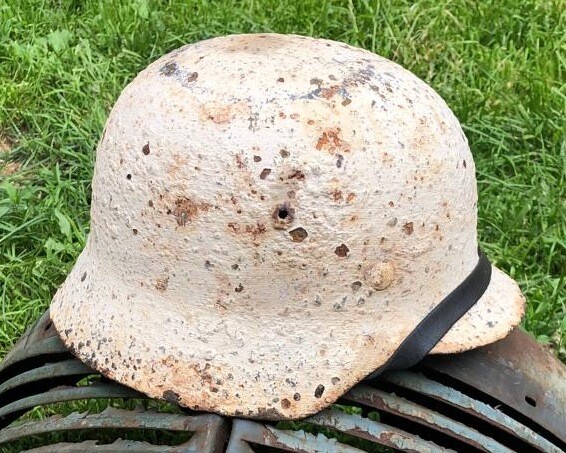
x=272 y=217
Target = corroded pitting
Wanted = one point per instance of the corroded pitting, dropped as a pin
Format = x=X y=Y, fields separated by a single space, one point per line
x=271 y=216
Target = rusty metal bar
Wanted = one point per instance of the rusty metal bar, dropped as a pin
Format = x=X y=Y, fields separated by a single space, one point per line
x=50 y=371
x=245 y=432
x=109 y=418
x=369 y=396
x=59 y=395
x=481 y=410
x=377 y=432
x=518 y=372
x=115 y=447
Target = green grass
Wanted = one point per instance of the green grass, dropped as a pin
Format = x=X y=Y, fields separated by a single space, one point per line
x=500 y=65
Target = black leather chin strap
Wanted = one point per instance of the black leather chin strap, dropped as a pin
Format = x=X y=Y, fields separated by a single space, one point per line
x=439 y=321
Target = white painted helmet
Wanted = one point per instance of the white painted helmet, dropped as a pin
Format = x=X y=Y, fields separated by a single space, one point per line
x=273 y=219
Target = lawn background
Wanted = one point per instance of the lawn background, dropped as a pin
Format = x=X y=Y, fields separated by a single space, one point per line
x=499 y=64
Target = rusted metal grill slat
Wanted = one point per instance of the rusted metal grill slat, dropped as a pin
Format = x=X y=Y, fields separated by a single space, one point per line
x=245 y=432
x=209 y=429
x=116 y=447
x=458 y=400
x=59 y=395
x=378 y=399
x=66 y=368
x=376 y=432
x=517 y=372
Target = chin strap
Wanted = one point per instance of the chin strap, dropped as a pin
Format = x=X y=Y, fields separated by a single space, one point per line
x=439 y=321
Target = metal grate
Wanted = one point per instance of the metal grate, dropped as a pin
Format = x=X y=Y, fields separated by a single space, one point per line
x=510 y=396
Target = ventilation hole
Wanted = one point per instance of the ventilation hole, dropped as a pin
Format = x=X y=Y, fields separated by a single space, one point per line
x=530 y=401
x=128 y=176
x=283 y=213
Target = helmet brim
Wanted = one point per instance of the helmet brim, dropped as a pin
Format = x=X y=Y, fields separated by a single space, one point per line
x=245 y=365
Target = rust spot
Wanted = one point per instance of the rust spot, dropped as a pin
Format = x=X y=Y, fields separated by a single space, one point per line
x=239 y=288
x=285 y=403
x=192 y=77
x=283 y=216
x=282 y=115
x=391 y=204
x=161 y=284
x=186 y=210
x=257 y=159
x=239 y=162
x=342 y=250
x=291 y=194
x=319 y=391
x=294 y=116
x=337 y=195
x=328 y=93
x=145 y=149
x=297 y=174
x=256 y=230
x=298 y=234
x=408 y=228
x=218 y=114
x=310 y=122
x=265 y=173
x=350 y=197
x=135 y=231
x=330 y=141
x=284 y=153
x=346 y=102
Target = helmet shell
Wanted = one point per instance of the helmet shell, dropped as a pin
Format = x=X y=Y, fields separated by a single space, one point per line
x=271 y=216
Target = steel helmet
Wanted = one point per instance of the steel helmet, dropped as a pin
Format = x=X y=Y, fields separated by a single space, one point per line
x=273 y=218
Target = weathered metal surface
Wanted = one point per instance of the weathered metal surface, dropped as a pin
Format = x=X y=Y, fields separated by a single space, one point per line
x=516 y=371
x=376 y=432
x=118 y=446
x=238 y=260
x=362 y=394
x=61 y=394
x=39 y=340
x=209 y=430
x=457 y=399
x=245 y=431
x=51 y=371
